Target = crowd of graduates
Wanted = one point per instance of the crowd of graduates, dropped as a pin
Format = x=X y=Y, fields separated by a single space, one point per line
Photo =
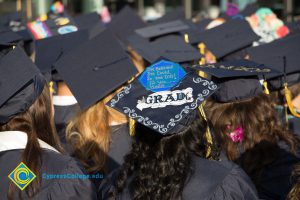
x=174 y=108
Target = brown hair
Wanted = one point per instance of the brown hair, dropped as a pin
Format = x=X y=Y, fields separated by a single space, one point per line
x=88 y=133
x=38 y=123
x=258 y=119
x=294 y=194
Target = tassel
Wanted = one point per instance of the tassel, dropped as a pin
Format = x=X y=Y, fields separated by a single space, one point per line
x=51 y=87
x=186 y=38
x=288 y=98
x=266 y=91
x=208 y=135
x=131 y=127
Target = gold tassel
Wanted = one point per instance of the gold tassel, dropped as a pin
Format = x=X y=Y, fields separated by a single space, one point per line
x=288 y=97
x=131 y=127
x=186 y=38
x=266 y=91
x=208 y=135
x=51 y=87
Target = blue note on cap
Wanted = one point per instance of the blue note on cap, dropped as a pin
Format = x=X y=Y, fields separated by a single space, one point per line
x=162 y=76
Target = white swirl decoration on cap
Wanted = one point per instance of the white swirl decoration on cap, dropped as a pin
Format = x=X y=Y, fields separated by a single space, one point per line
x=120 y=95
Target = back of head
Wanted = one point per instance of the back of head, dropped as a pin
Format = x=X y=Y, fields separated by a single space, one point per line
x=170 y=157
x=256 y=117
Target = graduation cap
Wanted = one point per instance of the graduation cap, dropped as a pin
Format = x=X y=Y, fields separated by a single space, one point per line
x=124 y=24
x=273 y=54
x=20 y=82
x=101 y=63
x=226 y=38
x=88 y=20
x=8 y=36
x=175 y=14
x=162 y=29
x=171 y=47
x=57 y=26
x=238 y=79
x=49 y=50
x=163 y=97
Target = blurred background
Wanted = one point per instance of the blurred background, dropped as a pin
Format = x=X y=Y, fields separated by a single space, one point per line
x=288 y=10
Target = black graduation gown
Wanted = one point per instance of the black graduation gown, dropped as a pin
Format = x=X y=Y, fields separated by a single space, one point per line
x=275 y=181
x=52 y=189
x=120 y=145
x=210 y=180
x=62 y=116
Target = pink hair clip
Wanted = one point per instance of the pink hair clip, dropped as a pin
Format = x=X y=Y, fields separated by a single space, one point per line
x=237 y=135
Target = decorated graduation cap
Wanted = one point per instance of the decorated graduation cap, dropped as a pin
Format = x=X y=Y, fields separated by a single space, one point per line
x=48 y=28
x=226 y=38
x=49 y=50
x=171 y=47
x=238 y=79
x=20 y=82
x=163 y=97
x=124 y=24
x=95 y=69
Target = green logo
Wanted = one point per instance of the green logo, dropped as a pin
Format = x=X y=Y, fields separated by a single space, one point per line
x=22 y=176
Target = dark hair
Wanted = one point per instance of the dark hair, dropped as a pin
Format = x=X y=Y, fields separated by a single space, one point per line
x=259 y=121
x=294 y=193
x=161 y=165
x=38 y=123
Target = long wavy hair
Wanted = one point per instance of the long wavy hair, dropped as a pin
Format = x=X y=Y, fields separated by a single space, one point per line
x=89 y=134
x=259 y=121
x=158 y=167
x=263 y=131
x=38 y=123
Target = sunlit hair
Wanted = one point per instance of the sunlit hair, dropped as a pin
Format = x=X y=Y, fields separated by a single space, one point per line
x=258 y=119
x=161 y=166
x=137 y=60
x=38 y=123
x=89 y=134
x=294 y=194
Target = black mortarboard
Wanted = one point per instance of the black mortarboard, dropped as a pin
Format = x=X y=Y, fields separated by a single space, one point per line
x=291 y=68
x=163 y=96
x=175 y=14
x=158 y=30
x=124 y=24
x=49 y=50
x=8 y=36
x=88 y=20
x=226 y=38
x=95 y=68
x=272 y=54
x=238 y=79
x=249 y=10
x=171 y=47
x=20 y=82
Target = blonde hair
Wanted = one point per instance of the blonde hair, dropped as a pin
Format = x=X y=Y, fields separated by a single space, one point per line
x=89 y=134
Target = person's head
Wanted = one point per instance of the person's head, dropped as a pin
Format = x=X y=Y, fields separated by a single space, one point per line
x=38 y=123
x=162 y=164
x=89 y=133
x=255 y=117
x=29 y=110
